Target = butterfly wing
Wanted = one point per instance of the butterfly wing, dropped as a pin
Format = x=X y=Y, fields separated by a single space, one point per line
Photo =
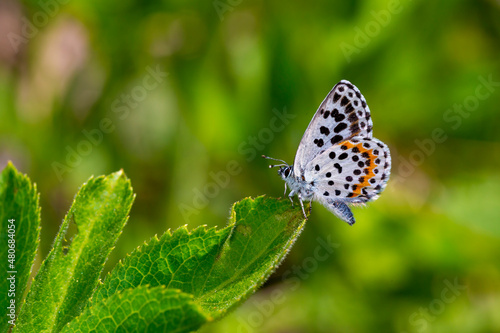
x=340 y=209
x=342 y=115
x=354 y=172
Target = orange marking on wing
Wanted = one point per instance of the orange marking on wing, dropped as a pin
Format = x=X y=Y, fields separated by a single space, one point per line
x=371 y=174
x=348 y=144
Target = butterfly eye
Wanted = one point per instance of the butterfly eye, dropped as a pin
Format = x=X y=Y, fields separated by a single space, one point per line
x=287 y=172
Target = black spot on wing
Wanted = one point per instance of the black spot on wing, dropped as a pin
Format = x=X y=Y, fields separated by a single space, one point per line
x=343 y=156
x=324 y=130
x=340 y=127
x=319 y=142
x=336 y=97
x=338 y=167
x=354 y=128
x=336 y=139
x=337 y=115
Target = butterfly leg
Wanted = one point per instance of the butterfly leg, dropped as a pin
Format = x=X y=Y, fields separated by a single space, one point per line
x=285 y=191
x=302 y=205
x=310 y=206
x=290 y=195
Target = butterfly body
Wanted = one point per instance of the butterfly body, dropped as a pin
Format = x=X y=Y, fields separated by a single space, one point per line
x=300 y=186
x=338 y=162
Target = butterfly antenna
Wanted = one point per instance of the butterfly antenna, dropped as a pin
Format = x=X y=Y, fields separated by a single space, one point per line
x=275 y=159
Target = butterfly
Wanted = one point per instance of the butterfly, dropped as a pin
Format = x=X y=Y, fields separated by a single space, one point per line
x=338 y=162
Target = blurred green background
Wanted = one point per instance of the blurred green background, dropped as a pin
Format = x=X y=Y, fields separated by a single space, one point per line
x=184 y=96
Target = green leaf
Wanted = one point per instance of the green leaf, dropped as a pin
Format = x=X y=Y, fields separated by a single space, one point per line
x=70 y=273
x=220 y=268
x=19 y=201
x=141 y=309
x=262 y=232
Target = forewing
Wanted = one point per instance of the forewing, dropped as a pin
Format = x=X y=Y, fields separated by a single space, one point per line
x=342 y=115
x=355 y=171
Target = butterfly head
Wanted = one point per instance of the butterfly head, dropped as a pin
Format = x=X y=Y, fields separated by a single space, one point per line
x=285 y=171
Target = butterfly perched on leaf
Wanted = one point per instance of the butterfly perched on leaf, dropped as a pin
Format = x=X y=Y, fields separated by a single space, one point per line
x=338 y=162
